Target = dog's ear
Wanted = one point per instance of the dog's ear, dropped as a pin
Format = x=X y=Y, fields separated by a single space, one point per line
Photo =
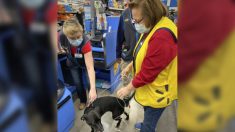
x=84 y=117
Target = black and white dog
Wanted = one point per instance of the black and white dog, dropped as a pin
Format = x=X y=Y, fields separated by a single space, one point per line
x=93 y=113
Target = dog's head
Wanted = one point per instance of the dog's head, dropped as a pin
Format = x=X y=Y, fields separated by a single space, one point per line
x=93 y=119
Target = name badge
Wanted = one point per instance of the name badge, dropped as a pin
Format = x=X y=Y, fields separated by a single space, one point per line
x=78 y=55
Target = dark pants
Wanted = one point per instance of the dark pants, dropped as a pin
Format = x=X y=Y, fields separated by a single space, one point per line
x=151 y=117
x=78 y=80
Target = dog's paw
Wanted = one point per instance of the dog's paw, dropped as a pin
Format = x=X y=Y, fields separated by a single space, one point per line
x=117 y=130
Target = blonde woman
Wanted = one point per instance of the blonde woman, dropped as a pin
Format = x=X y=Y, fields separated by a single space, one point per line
x=79 y=54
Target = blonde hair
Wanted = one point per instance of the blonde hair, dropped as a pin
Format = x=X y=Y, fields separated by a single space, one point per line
x=72 y=27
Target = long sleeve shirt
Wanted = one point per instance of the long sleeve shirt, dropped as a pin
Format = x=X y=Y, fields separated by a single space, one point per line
x=162 y=49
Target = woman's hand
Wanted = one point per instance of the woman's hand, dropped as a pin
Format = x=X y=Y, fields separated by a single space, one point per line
x=92 y=96
x=125 y=91
x=61 y=51
x=127 y=70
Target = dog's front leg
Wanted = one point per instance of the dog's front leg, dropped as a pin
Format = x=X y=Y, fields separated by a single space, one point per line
x=92 y=130
x=119 y=119
x=127 y=116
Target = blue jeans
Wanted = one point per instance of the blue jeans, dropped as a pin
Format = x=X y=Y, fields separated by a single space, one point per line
x=151 y=117
x=78 y=80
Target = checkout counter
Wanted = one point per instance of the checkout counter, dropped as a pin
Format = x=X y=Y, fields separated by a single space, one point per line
x=104 y=53
x=65 y=106
x=65 y=112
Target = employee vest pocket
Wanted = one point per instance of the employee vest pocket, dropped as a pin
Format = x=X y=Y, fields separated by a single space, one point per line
x=161 y=95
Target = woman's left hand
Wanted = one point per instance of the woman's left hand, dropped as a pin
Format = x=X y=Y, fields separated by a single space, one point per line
x=92 y=96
